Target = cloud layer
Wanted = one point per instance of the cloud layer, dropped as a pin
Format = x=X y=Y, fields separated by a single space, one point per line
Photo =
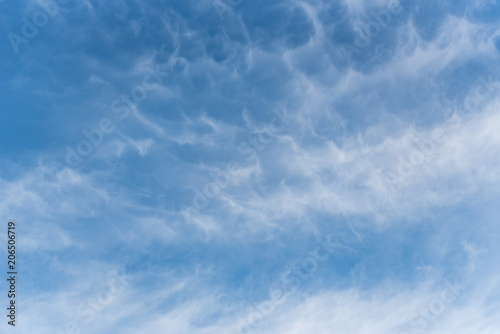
x=177 y=166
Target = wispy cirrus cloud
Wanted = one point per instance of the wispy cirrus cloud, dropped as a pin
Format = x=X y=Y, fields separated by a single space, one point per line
x=393 y=154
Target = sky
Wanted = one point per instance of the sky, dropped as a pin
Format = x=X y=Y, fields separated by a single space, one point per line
x=236 y=166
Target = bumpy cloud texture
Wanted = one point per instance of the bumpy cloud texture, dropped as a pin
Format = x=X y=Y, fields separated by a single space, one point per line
x=238 y=166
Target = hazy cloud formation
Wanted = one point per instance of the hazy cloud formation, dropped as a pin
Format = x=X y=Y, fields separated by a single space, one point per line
x=236 y=166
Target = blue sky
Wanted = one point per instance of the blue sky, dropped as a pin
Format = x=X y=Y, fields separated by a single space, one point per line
x=235 y=166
